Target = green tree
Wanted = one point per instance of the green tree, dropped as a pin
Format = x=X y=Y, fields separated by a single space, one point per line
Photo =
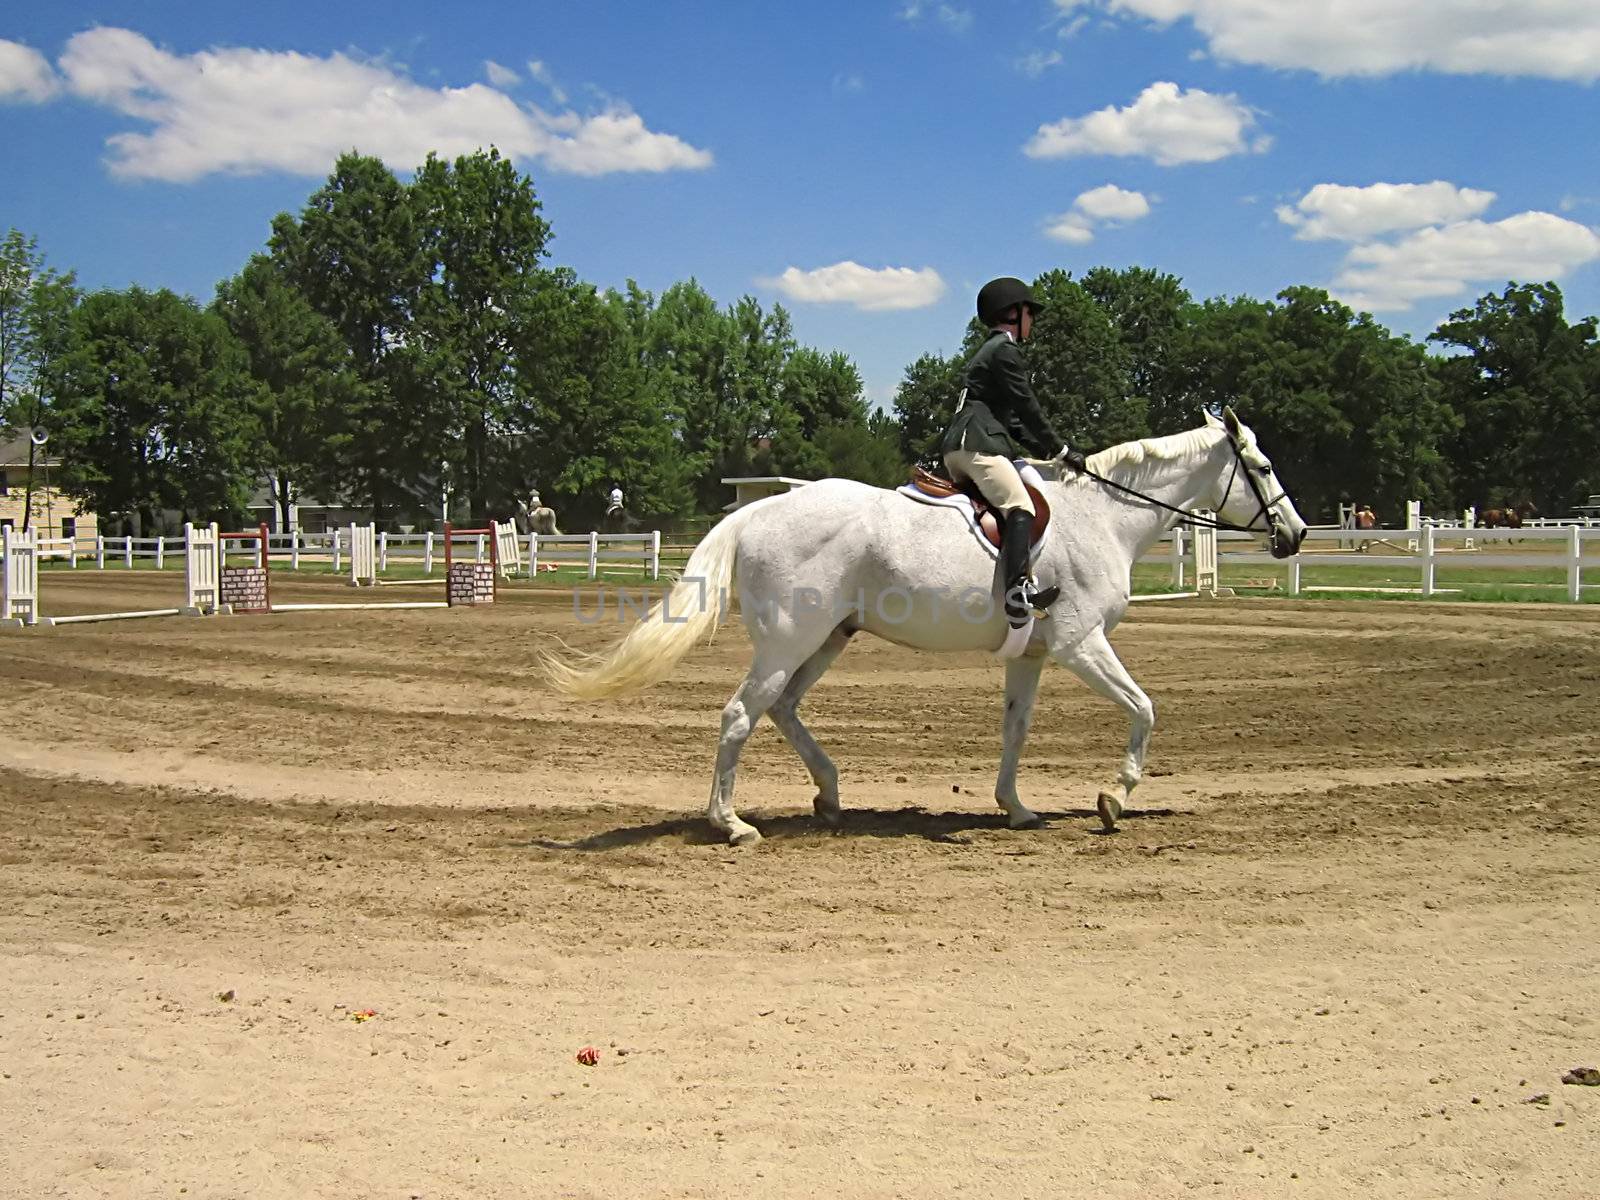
x=1149 y=311
x=1526 y=385
x=480 y=225
x=358 y=256
x=924 y=403
x=1081 y=369
x=303 y=371
x=156 y=411
x=35 y=304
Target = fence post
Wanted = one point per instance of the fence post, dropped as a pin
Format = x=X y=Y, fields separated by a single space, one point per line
x=1427 y=560
x=337 y=531
x=1294 y=574
x=161 y=552
x=1574 y=564
x=1413 y=520
x=479 y=557
x=1175 y=553
x=127 y=551
x=427 y=554
x=655 y=554
x=294 y=548
x=533 y=555
x=383 y=551
x=594 y=554
x=100 y=551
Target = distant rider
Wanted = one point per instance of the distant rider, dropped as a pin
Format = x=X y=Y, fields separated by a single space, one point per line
x=616 y=500
x=996 y=410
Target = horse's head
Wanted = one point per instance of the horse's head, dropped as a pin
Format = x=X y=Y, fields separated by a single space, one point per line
x=1248 y=492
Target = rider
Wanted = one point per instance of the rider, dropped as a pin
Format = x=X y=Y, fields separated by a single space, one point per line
x=997 y=409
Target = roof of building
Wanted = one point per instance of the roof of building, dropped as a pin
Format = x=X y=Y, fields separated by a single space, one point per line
x=14 y=445
x=792 y=482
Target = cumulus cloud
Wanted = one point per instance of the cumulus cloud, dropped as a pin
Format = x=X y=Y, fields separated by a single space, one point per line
x=1105 y=205
x=1553 y=39
x=864 y=287
x=501 y=77
x=1351 y=214
x=245 y=111
x=1164 y=123
x=25 y=74
x=1441 y=261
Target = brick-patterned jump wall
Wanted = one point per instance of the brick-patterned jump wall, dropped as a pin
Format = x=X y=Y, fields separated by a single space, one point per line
x=244 y=588
x=470 y=583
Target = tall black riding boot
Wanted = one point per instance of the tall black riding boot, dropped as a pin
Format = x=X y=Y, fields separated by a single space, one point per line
x=1021 y=597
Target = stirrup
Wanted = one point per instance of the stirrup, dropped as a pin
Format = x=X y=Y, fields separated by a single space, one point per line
x=1033 y=598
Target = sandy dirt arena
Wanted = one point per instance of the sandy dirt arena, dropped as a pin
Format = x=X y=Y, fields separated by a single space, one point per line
x=1345 y=940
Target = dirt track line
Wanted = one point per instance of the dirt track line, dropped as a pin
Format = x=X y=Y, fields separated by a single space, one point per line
x=464 y=788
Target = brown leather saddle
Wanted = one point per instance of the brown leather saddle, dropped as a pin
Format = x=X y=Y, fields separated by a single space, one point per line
x=937 y=486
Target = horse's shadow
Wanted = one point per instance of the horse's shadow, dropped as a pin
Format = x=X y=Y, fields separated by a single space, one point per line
x=858 y=823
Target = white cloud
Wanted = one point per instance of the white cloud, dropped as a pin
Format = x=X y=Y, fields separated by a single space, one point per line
x=865 y=288
x=1352 y=214
x=957 y=20
x=1037 y=63
x=542 y=73
x=25 y=74
x=1104 y=205
x=1554 y=39
x=844 y=84
x=501 y=77
x=1437 y=262
x=1164 y=123
x=244 y=111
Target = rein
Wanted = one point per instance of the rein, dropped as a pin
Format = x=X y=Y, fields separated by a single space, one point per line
x=1195 y=519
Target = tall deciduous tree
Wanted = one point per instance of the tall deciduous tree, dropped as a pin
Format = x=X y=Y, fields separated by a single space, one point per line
x=484 y=238
x=1526 y=385
x=1148 y=310
x=1081 y=370
x=156 y=410
x=357 y=254
x=36 y=302
x=303 y=369
x=924 y=403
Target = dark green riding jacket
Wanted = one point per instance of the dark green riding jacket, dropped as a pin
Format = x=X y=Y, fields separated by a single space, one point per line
x=997 y=412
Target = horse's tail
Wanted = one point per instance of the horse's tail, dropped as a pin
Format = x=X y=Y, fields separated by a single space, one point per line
x=653 y=647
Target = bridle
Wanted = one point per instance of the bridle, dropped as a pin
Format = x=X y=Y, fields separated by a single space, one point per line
x=1194 y=519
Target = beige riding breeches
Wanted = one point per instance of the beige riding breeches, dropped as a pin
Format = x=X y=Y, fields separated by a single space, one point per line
x=995 y=475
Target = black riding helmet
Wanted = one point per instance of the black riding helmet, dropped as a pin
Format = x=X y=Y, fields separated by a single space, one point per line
x=996 y=296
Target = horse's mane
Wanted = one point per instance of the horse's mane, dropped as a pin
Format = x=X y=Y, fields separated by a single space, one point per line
x=1154 y=449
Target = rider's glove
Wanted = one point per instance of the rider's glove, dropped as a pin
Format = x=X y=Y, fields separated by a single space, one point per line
x=1072 y=458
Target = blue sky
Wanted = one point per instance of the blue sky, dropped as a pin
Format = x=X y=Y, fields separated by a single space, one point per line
x=866 y=164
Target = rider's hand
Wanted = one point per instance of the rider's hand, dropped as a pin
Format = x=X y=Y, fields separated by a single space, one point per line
x=1072 y=458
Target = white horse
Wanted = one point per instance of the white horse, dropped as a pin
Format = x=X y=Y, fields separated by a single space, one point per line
x=819 y=564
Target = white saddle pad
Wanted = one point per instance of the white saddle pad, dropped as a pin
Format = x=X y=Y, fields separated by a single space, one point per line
x=964 y=506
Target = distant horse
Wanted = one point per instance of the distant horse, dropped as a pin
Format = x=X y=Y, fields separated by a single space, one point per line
x=1500 y=518
x=620 y=520
x=539 y=519
x=910 y=573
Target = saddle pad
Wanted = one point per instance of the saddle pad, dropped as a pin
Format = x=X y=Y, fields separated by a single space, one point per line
x=964 y=506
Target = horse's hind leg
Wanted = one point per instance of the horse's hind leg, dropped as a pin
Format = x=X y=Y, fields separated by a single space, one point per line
x=1096 y=663
x=786 y=717
x=1022 y=686
x=777 y=662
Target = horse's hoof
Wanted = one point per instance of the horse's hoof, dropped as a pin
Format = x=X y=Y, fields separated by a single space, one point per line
x=745 y=837
x=828 y=812
x=1030 y=821
x=1110 y=809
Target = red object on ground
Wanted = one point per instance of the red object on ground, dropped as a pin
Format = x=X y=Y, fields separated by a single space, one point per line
x=588 y=1056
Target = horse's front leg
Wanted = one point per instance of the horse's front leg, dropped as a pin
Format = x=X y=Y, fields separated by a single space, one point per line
x=1022 y=685
x=1096 y=663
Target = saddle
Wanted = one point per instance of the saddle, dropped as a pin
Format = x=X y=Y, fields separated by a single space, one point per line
x=930 y=488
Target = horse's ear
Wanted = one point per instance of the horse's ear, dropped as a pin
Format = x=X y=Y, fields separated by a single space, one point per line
x=1211 y=418
x=1231 y=421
